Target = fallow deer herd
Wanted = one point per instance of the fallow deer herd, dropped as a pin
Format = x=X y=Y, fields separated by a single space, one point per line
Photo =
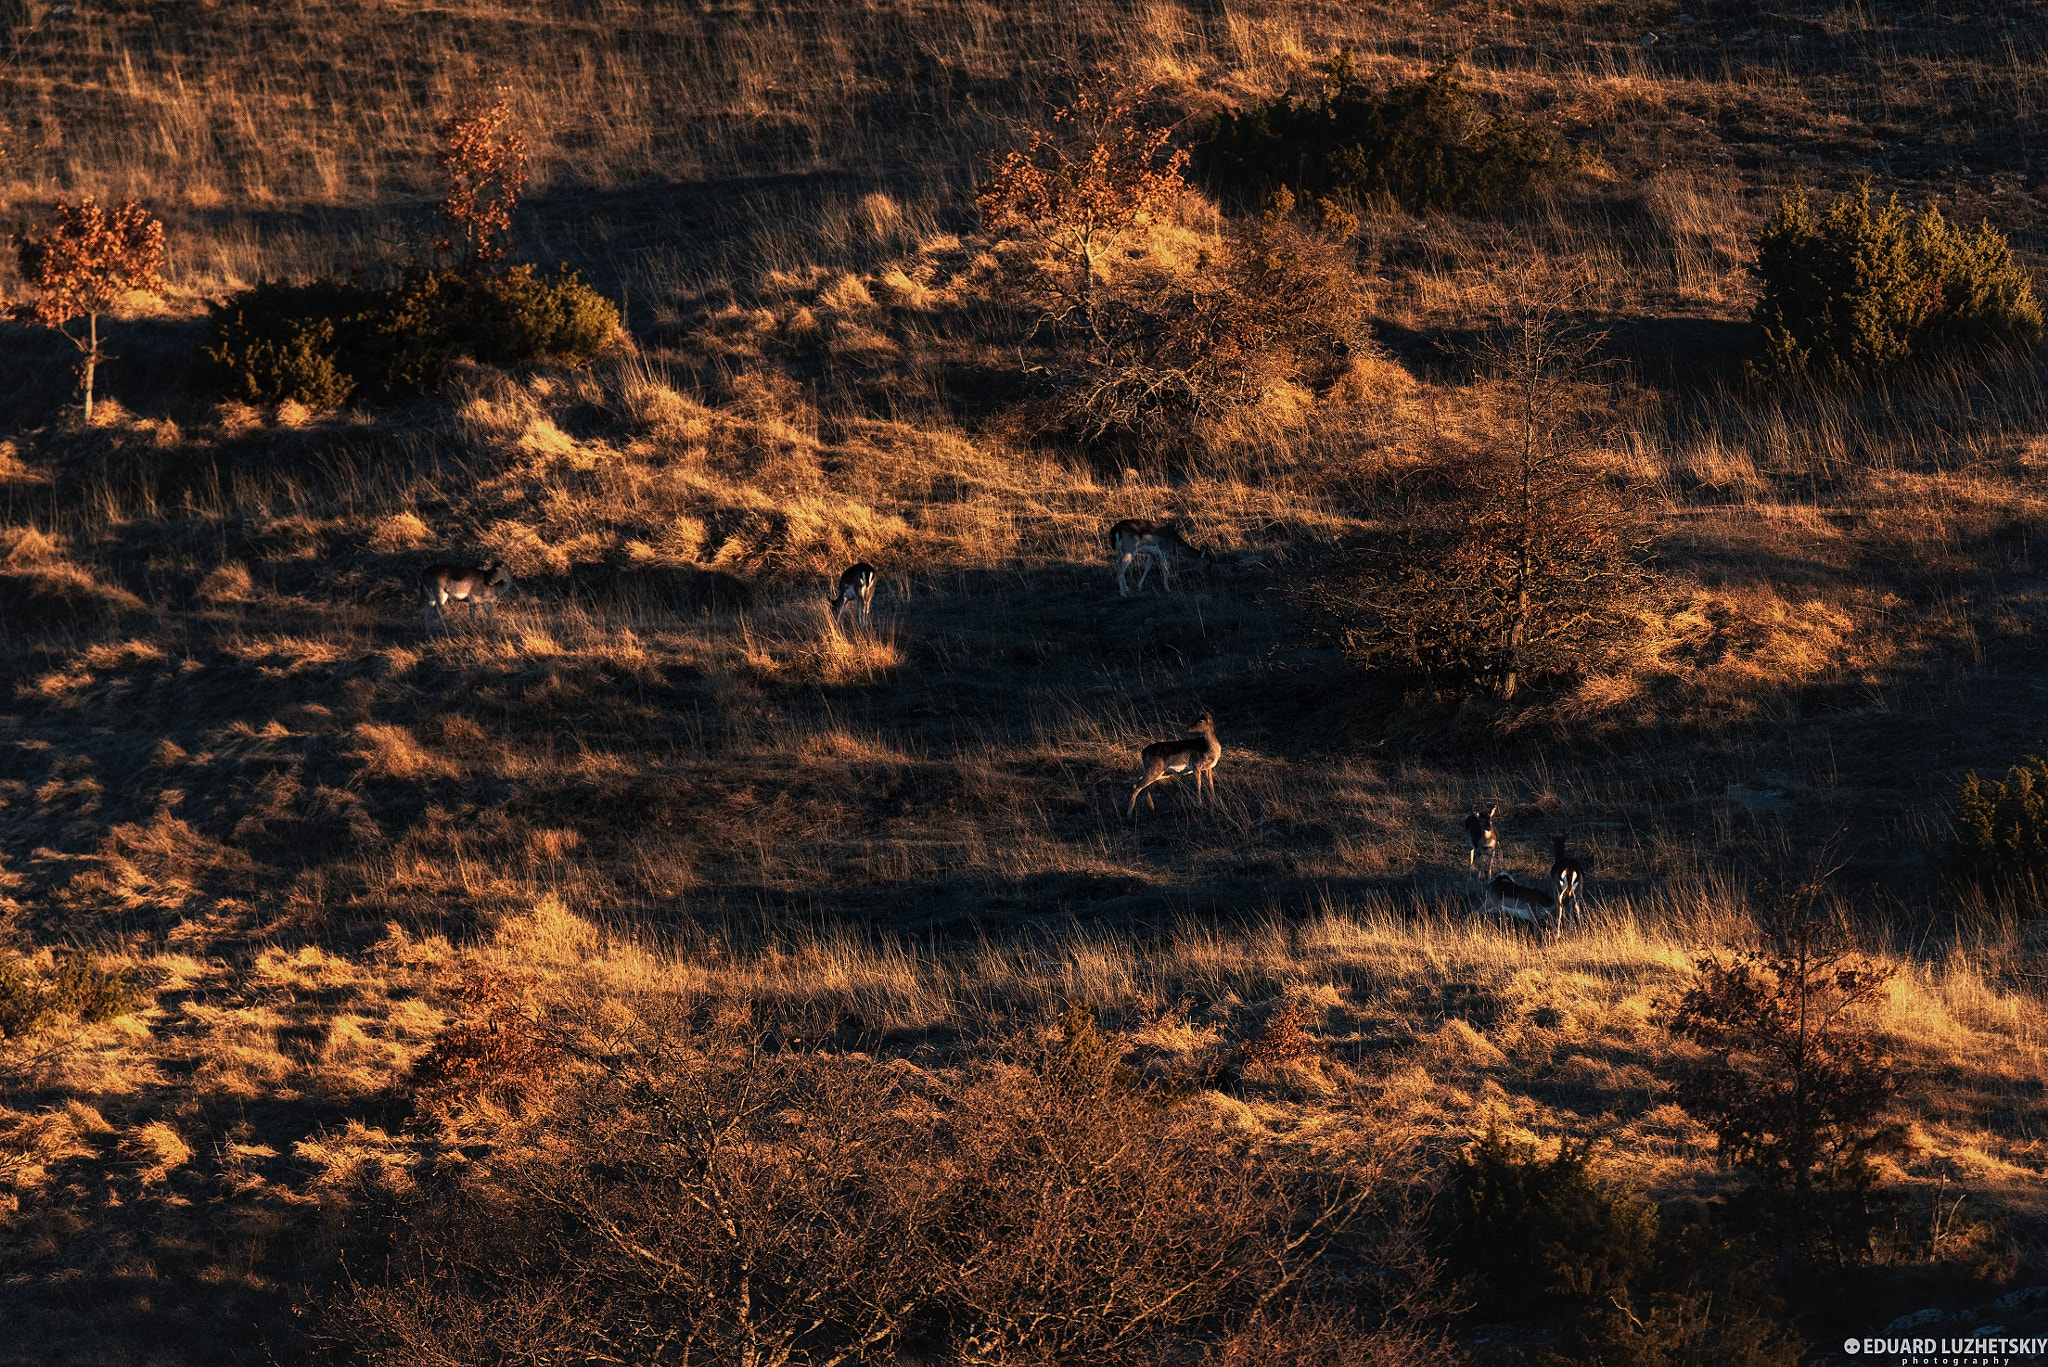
x=1539 y=904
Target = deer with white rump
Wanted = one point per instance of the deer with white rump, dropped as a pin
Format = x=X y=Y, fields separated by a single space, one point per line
x=856 y=592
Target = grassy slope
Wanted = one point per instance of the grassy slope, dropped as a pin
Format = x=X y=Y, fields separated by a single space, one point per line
x=234 y=760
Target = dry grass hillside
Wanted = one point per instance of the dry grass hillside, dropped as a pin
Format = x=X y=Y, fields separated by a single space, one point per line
x=663 y=784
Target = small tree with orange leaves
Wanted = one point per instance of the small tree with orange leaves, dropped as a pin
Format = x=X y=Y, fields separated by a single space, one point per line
x=87 y=261
x=483 y=160
x=1081 y=186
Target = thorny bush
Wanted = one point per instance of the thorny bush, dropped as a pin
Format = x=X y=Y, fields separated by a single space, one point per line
x=699 y=1198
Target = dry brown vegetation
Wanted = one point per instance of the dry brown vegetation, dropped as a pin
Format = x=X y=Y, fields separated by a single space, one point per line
x=666 y=789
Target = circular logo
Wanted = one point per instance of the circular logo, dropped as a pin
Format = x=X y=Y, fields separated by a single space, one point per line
x=1852 y=1347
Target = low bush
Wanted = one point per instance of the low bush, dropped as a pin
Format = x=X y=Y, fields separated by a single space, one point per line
x=1271 y=304
x=73 y=990
x=696 y=1197
x=303 y=342
x=321 y=342
x=2000 y=846
x=1703 y=1300
x=434 y=321
x=1859 y=291
x=1539 y=1236
x=1427 y=145
x=1533 y=1231
x=491 y=1051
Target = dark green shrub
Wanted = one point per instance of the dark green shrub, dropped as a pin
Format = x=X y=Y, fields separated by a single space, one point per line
x=318 y=343
x=1533 y=1232
x=279 y=341
x=1704 y=1300
x=1428 y=145
x=74 y=991
x=1539 y=1235
x=2001 y=831
x=435 y=320
x=1860 y=290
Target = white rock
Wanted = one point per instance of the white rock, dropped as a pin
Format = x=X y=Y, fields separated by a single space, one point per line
x=1919 y=1319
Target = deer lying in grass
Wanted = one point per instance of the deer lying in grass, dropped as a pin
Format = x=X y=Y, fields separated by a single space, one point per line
x=856 y=591
x=485 y=585
x=1195 y=753
x=1154 y=541
x=1568 y=874
x=1523 y=901
x=1483 y=837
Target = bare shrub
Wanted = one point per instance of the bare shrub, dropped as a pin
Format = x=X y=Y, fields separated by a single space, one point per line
x=1270 y=304
x=85 y=263
x=702 y=1199
x=1514 y=556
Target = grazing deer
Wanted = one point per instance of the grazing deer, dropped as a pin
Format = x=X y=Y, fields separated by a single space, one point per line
x=856 y=591
x=1524 y=901
x=1197 y=752
x=1155 y=542
x=1483 y=837
x=1568 y=873
x=472 y=586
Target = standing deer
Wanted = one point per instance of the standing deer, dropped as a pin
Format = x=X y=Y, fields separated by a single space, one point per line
x=1523 y=901
x=1154 y=541
x=1569 y=874
x=1197 y=752
x=856 y=591
x=485 y=585
x=1483 y=837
